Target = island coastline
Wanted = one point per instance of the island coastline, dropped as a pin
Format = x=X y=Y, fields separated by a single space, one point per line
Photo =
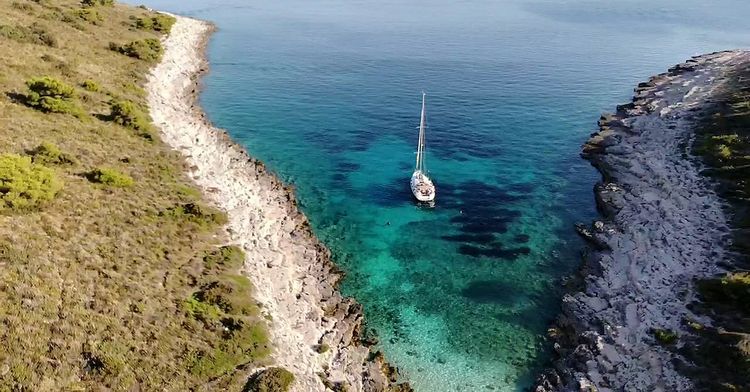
x=662 y=227
x=315 y=331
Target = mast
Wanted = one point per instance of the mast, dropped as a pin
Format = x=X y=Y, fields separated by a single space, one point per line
x=420 y=146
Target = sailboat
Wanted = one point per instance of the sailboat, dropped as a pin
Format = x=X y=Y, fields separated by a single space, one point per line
x=421 y=185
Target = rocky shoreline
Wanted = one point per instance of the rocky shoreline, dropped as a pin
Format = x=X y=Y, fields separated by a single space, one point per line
x=316 y=333
x=662 y=227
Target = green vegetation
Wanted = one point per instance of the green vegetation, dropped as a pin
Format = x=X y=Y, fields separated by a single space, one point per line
x=49 y=154
x=53 y=96
x=273 y=379
x=110 y=177
x=159 y=22
x=90 y=85
x=105 y=289
x=196 y=213
x=322 y=348
x=148 y=49
x=720 y=352
x=231 y=293
x=94 y=3
x=127 y=114
x=664 y=336
x=225 y=258
x=33 y=34
x=89 y=15
x=24 y=184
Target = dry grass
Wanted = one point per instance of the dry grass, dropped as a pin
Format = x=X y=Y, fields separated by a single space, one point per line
x=95 y=287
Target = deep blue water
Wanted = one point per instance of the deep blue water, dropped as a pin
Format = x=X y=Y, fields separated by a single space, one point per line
x=327 y=94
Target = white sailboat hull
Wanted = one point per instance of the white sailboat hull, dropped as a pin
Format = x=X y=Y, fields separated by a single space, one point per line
x=422 y=187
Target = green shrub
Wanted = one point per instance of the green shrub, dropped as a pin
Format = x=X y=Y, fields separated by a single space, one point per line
x=273 y=379
x=199 y=214
x=49 y=154
x=89 y=15
x=322 y=348
x=225 y=258
x=128 y=114
x=110 y=177
x=230 y=293
x=161 y=23
x=664 y=336
x=90 y=85
x=723 y=151
x=106 y=358
x=94 y=3
x=52 y=96
x=201 y=311
x=148 y=49
x=22 y=6
x=33 y=34
x=24 y=184
x=241 y=342
x=732 y=289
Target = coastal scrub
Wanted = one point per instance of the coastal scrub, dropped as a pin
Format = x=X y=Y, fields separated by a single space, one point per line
x=148 y=49
x=99 y=291
x=25 y=185
x=270 y=380
x=53 y=96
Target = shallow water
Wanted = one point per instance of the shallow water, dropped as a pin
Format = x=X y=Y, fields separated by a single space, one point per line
x=327 y=94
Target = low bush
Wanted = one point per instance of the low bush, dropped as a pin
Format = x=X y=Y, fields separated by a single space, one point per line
x=273 y=379
x=201 y=311
x=22 y=6
x=110 y=177
x=94 y=3
x=106 y=358
x=89 y=15
x=49 y=154
x=230 y=293
x=148 y=49
x=25 y=185
x=732 y=290
x=161 y=23
x=201 y=215
x=225 y=258
x=242 y=341
x=33 y=34
x=664 y=336
x=90 y=85
x=128 y=114
x=52 y=96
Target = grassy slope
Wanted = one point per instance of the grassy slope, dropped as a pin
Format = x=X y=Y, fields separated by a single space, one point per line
x=94 y=286
x=722 y=353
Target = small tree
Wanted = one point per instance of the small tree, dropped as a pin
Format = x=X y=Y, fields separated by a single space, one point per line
x=24 y=184
x=127 y=114
x=273 y=379
x=161 y=23
x=51 y=95
x=110 y=177
x=148 y=49
x=94 y=3
x=49 y=154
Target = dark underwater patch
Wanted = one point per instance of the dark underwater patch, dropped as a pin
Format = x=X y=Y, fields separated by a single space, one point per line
x=348 y=167
x=473 y=238
x=521 y=238
x=491 y=291
x=496 y=251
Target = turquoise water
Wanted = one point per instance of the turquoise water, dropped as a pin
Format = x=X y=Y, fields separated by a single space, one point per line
x=327 y=94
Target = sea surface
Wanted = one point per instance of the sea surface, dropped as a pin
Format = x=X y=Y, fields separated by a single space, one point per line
x=327 y=93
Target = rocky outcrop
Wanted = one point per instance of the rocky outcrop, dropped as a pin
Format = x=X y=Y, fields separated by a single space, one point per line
x=662 y=227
